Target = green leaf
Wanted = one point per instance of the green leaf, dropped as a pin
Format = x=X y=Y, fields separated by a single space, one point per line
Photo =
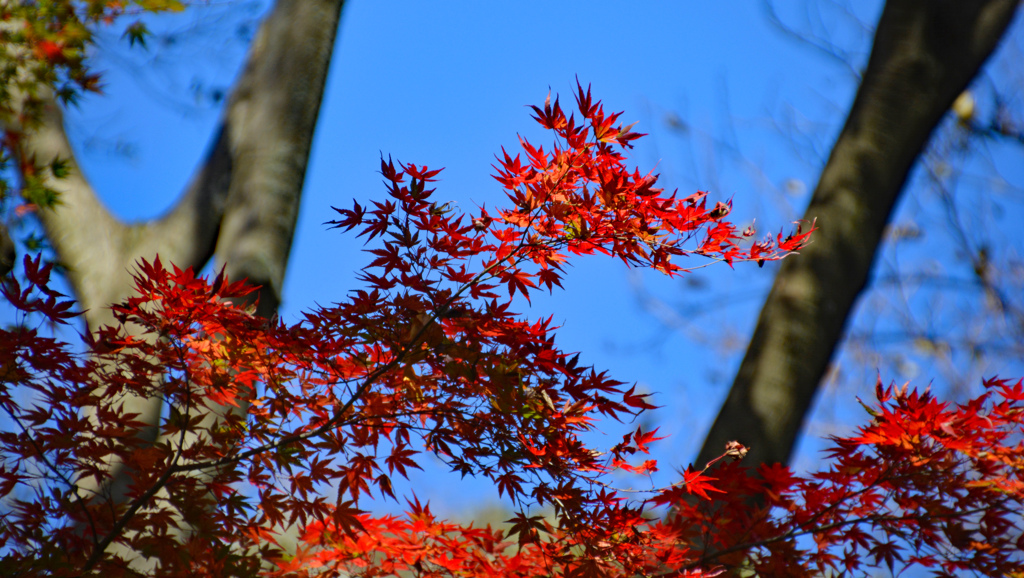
x=137 y=33
x=67 y=95
x=39 y=194
x=35 y=243
x=60 y=168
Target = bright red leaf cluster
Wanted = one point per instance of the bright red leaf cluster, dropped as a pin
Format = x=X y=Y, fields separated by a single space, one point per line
x=925 y=484
x=271 y=426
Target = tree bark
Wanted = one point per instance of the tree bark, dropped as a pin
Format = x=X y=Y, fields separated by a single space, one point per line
x=270 y=122
x=8 y=251
x=242 y=203
x=924 y=54
x=241 y=206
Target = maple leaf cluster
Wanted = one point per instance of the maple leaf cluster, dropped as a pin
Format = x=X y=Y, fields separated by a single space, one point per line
x=271 y=426
x=925 y=484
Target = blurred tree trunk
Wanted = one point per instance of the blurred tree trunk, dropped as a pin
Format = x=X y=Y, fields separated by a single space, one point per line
x=7 y=251
x=243 y=202
x=925 y=53
x=241 y=207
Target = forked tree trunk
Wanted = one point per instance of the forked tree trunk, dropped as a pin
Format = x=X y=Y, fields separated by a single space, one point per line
x=241 y=206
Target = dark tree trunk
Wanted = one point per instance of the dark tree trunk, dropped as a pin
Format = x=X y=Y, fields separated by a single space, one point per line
x=925 y=52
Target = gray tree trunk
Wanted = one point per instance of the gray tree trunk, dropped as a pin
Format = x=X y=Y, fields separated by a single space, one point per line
x=243 y=202
x=241 y=206
x=924 y=54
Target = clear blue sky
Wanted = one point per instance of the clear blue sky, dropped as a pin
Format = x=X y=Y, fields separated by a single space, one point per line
x=445 y=84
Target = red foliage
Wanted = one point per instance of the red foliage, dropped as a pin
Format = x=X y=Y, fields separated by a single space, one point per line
x=271 y=425
x=923 y=484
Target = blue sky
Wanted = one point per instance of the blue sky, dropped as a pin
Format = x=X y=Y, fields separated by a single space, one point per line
x=732 y=105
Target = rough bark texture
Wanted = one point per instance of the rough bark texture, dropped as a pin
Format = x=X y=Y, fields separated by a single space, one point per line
x=925 y=52
x=269 y=123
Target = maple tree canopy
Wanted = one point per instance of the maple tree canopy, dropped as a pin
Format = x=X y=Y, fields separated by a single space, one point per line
x=272 y=426
x=428 y=357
